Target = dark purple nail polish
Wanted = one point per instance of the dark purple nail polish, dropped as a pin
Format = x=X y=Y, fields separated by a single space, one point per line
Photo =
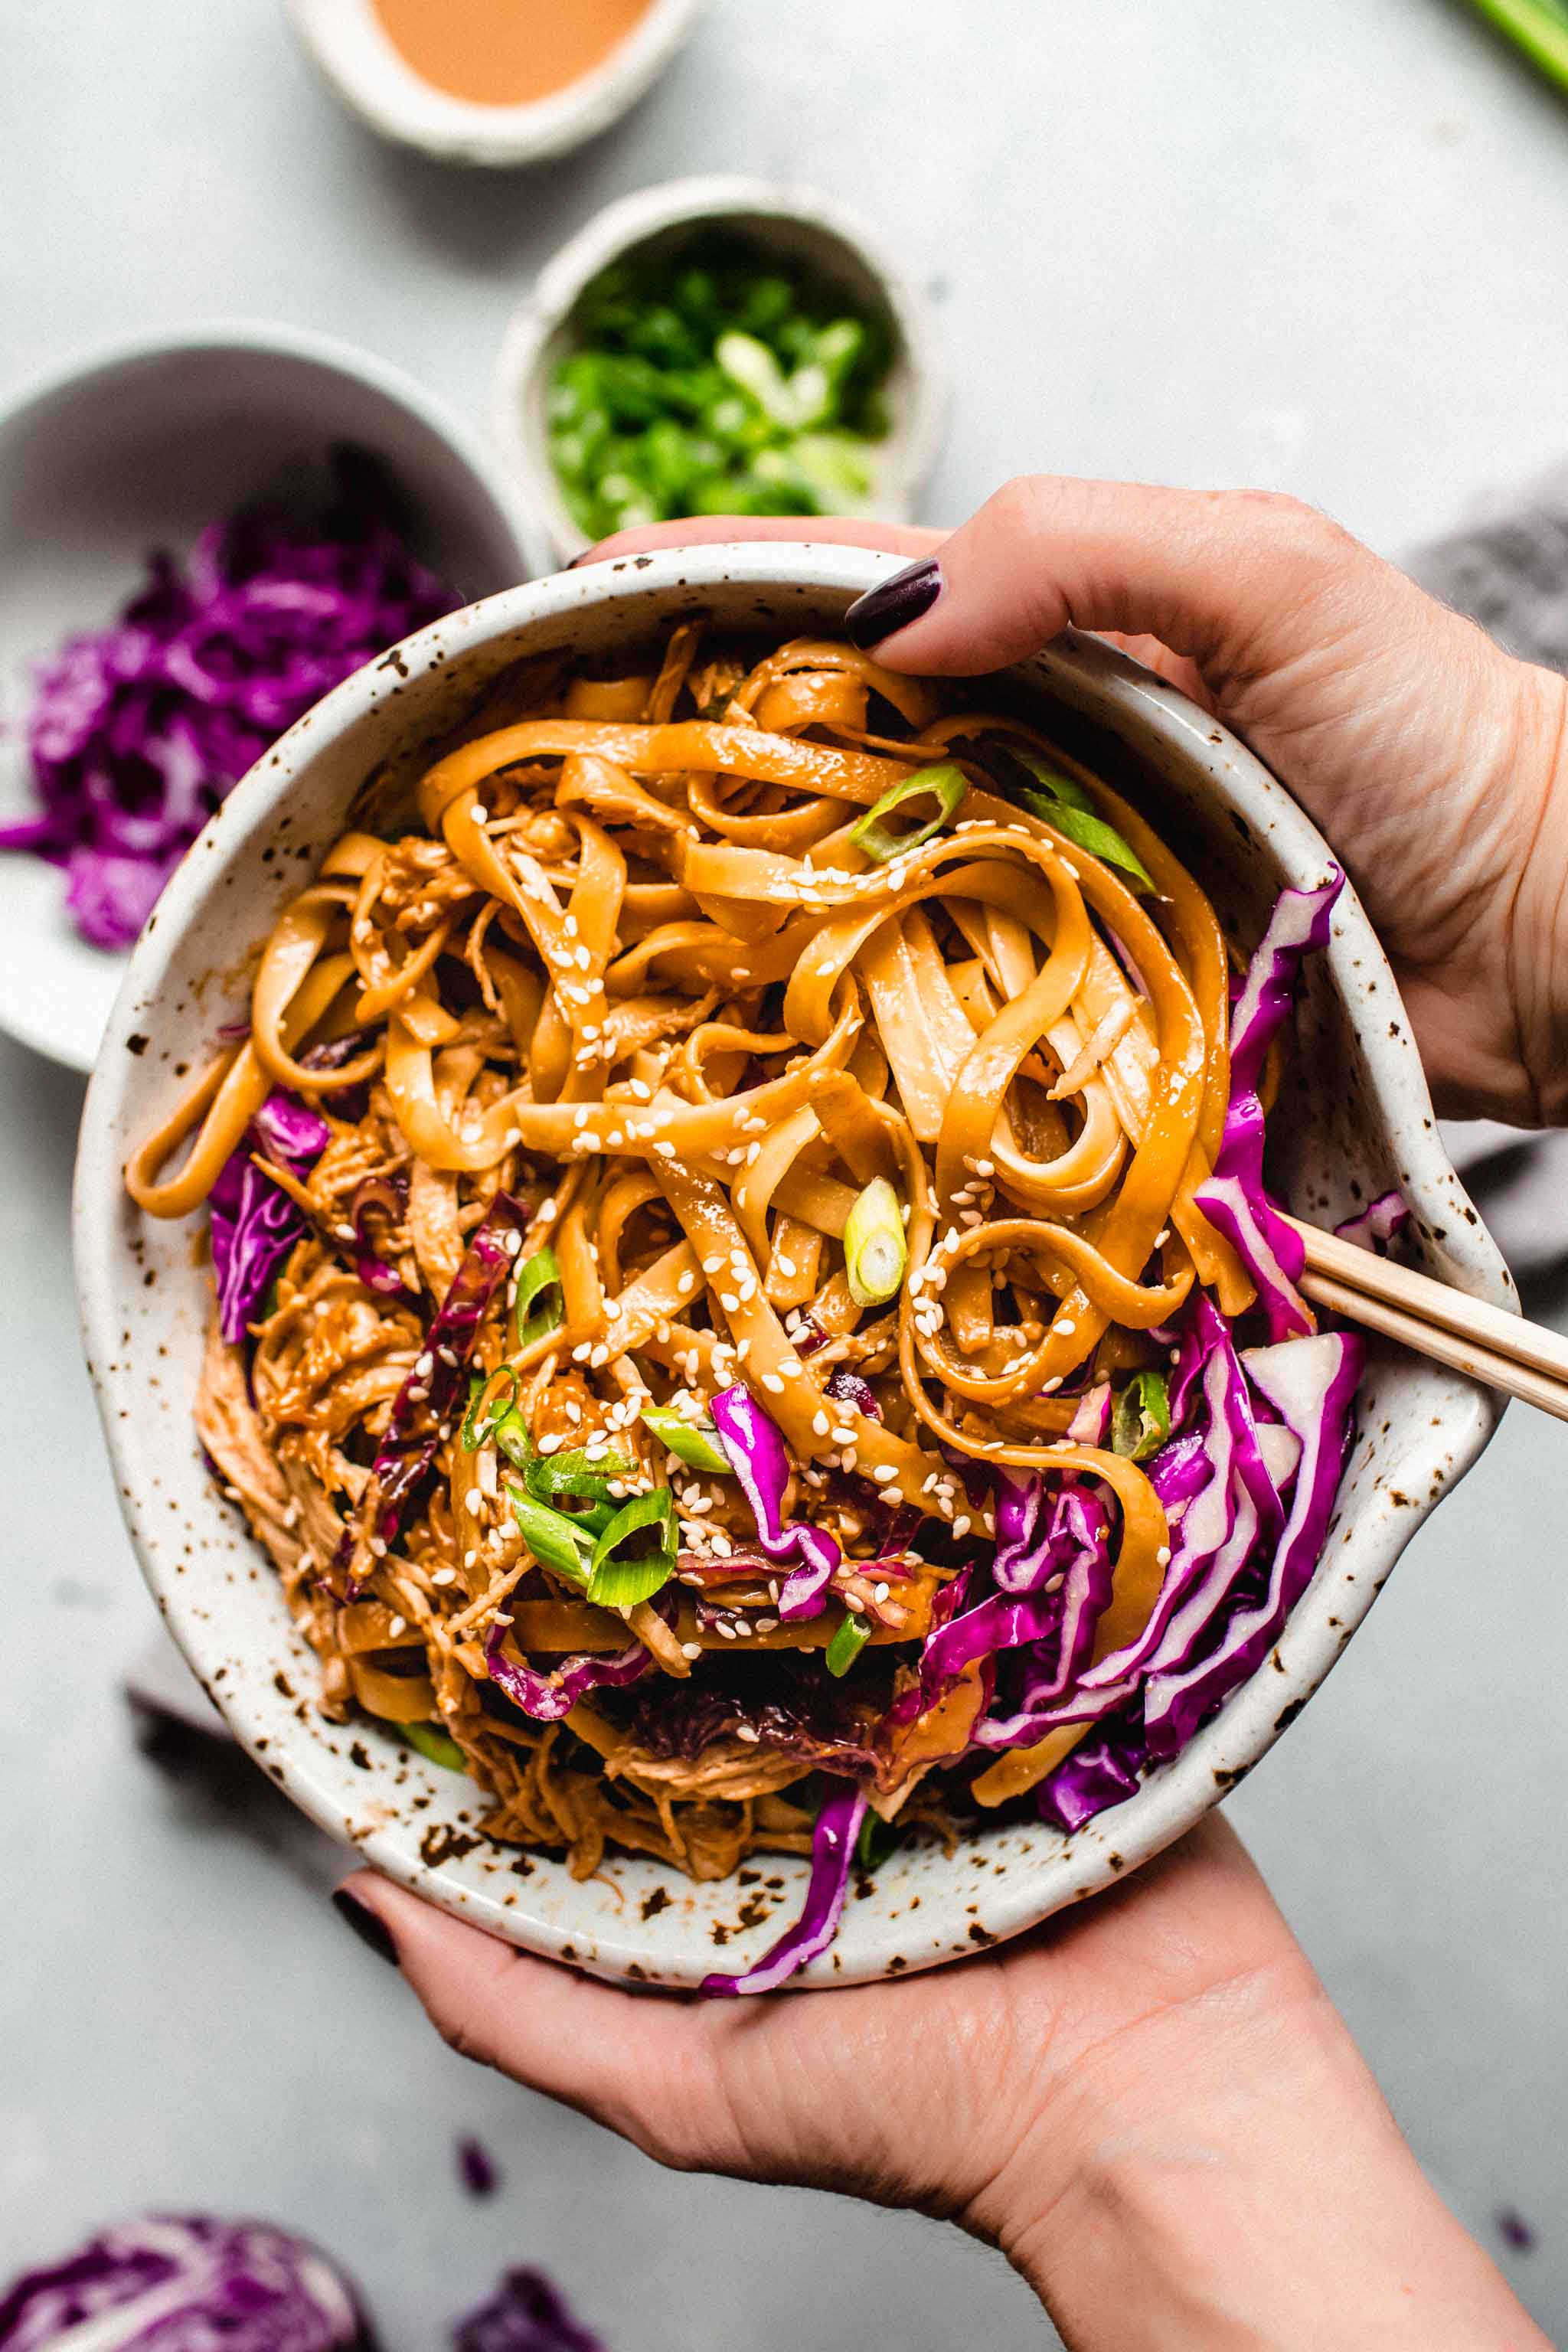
x=894 y=604
x=368 y=1926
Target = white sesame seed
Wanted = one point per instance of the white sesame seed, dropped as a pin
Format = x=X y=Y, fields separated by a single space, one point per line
x=444 y=1576
x=691 y=1649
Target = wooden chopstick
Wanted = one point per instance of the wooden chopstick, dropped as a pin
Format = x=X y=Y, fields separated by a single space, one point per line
x=1522 y=1359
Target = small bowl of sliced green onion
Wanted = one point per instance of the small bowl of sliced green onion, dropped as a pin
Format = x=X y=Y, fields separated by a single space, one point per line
x=718 y=346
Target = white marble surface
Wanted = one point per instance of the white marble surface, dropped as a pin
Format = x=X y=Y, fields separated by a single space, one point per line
x=1316 y=246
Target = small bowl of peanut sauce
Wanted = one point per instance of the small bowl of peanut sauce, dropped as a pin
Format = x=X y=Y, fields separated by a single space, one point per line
x=487 y=82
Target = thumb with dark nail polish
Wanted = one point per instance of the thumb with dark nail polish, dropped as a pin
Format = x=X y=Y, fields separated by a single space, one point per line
x=894 y=604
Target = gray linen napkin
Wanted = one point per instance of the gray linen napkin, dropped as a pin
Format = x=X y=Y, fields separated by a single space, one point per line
x=1506 y=567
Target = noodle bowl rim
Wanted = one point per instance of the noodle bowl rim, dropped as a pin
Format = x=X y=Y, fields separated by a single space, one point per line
x=139 y=1291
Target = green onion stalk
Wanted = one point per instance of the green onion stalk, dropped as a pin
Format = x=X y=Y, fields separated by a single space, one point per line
x=1538 y=27
x=875 y=1250
x=943 y=787
x=851 y=1637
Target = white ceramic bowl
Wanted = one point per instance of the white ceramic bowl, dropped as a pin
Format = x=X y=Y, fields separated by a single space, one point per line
x=137 y=446
x=797 y=224
x=1359 y=1116
x=345 y=41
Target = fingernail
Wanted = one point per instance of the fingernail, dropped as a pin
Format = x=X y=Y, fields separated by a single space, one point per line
x=368 y=1926
x=893 y=605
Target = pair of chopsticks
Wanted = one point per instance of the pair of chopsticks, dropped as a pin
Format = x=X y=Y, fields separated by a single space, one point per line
x=1522 y=1359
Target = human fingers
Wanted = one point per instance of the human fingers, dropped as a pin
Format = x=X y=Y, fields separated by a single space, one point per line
x=644 y=2065
x=704 y=531
x=1240 y=581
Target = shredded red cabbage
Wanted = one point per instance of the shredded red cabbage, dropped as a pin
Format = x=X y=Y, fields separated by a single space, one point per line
x=386 y=1196
x=1234 y=1198
x=547 y=1697
x=139 y=729
x=832 y=1856
x=254 y=1223
x=1311 y=1383
x=1379 y=1225
x=182 y=2282
x=429 y=1396
x=847 y=1387
x=476 y=2168
x=1101 y=1771
x=526 y=2313
x=761 y=1464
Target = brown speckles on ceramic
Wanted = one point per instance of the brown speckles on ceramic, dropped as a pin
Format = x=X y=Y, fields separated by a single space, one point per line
x=1355 y=1119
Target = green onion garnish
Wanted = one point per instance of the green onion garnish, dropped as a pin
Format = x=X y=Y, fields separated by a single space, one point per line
x=634 y=1557
x=437 y=1745
x=849 y=1639
x=471 y=1436
x=548 y=1475
x=875 y=1250
x=877 y=1841
x=945 y=785
x=556 y=1542
x=540 y=1303
x=510 y=1435
x=1141 y=1418
x=694 y=1441
x=1063 y=802
x=1539 y=27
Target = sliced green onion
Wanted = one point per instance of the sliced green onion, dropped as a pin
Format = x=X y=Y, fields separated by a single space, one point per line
x=945 y=785
x=1063 y=802
x=694 y=1441
x=548 y=1475
x=877 y=1841
x=439 y=1748
x=540 y=1303
x=510 y=1435
x=556 y=1542
x=1536 y=26
x=1141 y=1418
x=634 y=1557
x=849 y=1639
x=471 y=1436
x=875 y=1250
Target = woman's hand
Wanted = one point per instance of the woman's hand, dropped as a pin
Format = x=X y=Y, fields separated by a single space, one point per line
x=1148 y=2104
x=1436 y=764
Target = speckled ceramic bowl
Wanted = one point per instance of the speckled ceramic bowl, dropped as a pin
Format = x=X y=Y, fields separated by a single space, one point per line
x=1358 y=1120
